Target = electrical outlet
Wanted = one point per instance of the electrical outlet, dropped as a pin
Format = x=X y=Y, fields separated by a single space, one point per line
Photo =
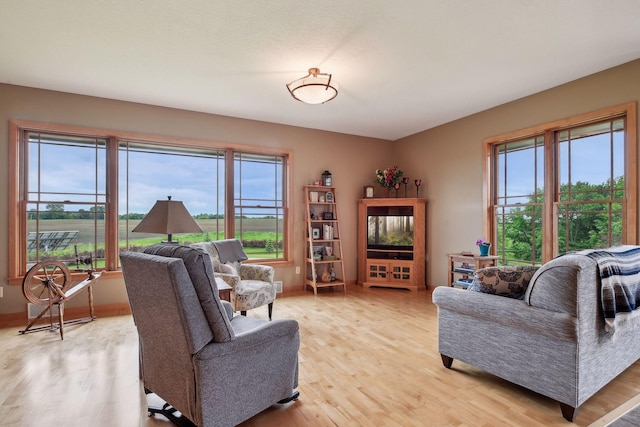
x=278 y=285
x=298 y=270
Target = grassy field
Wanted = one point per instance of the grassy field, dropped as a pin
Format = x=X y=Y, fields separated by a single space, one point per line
x=260 y=231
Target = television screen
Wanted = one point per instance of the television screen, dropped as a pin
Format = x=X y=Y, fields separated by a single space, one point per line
x=390 y=232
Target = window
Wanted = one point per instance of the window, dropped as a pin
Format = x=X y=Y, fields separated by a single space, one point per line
x=147 y=173
x=519 y=196
x=563 y=186
x=78 y=193
x=258 y=206
x=65 y=206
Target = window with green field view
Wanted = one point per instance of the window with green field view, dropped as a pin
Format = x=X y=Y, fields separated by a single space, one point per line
x=562 y=190
x=258 y=203
x=77 y=191
x=65 y=206
x=147 y=173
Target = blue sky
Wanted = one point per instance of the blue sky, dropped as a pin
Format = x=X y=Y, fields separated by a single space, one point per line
x=197 y=181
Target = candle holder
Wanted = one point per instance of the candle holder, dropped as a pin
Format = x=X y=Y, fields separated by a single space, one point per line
x=405 y=181
x=397 y=187
x=418 y=183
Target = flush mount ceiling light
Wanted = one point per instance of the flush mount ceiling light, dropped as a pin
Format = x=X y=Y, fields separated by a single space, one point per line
x=315 y=88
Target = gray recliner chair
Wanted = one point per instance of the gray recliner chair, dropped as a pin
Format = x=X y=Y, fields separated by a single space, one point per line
x=215 y=368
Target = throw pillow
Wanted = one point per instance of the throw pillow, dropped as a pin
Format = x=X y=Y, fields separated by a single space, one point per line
x=234 y=265
x=511 y=282
x=227 y=269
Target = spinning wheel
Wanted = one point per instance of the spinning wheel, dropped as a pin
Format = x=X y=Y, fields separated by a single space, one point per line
x=45 y=280
x=48 y=283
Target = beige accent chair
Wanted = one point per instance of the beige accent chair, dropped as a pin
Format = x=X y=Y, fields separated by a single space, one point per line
x=252 y=285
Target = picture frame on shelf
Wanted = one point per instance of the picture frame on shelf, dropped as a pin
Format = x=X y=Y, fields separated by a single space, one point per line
x=327 y=216
x=315 y=233
x=329 y=197
x=368 y=191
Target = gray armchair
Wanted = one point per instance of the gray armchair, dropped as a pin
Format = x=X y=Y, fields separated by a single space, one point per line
x=214 y=368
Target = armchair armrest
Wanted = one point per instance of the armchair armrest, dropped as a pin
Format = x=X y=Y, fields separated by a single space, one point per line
x=264 y=273
x=254 y=337
x=228 y=308
x=230 y=279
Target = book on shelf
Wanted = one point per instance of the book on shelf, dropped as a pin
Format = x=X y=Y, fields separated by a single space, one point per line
x=463 y=283
x=327 y=232
x=464 y=270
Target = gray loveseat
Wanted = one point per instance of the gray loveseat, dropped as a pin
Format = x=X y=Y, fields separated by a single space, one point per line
x=552 y=341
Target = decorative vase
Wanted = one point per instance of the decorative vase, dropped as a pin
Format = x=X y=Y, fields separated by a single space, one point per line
x=484 y=249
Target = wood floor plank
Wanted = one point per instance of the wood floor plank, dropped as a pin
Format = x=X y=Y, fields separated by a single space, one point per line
x=367 y=358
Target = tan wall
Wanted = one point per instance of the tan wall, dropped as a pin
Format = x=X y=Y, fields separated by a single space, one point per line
x=449 y=157
x=350 y=160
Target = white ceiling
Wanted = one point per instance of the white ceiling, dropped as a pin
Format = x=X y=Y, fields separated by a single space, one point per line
x=402 y=66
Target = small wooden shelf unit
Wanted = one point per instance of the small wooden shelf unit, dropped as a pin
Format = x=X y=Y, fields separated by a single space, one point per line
x=323 y=245
x=462 y=267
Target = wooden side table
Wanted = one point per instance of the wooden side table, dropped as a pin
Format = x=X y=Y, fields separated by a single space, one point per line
x=462 y=267
x=224 y=290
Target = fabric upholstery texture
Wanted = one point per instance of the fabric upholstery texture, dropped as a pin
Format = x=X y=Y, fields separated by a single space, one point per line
x=211 y=383
x=556 y=333
x=509 y=282
x=200 y=271
x=230 y=250
x=251 y=284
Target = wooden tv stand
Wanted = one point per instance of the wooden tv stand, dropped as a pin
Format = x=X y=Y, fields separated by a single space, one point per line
x=393 y=268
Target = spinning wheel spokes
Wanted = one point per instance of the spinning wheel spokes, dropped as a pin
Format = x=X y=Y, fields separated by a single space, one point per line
x=43 y=276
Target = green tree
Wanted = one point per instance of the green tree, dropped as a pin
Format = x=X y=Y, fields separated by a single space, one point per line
x=54 y=211
x=587 y=218
x=98 y=211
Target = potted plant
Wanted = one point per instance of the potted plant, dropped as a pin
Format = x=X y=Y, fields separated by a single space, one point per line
x=484 y=246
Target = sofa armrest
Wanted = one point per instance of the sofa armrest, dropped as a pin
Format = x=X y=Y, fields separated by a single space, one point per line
x=507 y=311
x=263 y=273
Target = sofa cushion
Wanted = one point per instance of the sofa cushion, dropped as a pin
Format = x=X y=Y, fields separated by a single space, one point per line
x=507 y=281
x=200 y=271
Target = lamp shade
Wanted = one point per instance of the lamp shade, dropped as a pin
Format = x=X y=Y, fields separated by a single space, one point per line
x=315 y=88
x=168 y=217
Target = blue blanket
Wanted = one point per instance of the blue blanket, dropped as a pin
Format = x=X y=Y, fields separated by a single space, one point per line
x=619 y=269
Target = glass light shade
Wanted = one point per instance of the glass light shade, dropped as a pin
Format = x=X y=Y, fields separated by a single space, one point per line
x=315 y=88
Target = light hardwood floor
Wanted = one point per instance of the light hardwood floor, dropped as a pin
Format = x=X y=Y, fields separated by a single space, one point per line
x=367 y=358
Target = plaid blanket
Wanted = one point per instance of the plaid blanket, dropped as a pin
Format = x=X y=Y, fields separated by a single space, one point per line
x=620 y=283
